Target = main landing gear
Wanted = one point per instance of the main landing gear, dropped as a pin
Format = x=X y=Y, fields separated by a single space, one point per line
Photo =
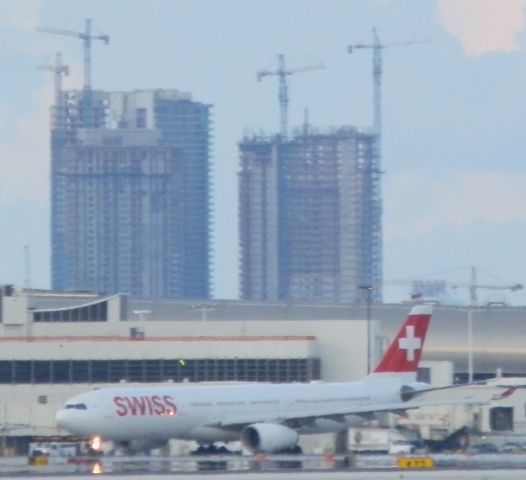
x=212 y=449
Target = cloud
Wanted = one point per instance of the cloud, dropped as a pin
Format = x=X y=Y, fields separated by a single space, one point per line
x=21 y=14
x=24 y=123
x=420 y=205
x=484 y=26
x=18 y=21
x=25 y=151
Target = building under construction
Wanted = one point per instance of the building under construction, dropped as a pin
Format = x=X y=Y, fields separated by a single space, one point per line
x=130 y=193
x=310 y=217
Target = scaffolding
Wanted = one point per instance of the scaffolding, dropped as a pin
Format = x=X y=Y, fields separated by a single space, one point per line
x=130 y=194
x=310 y=217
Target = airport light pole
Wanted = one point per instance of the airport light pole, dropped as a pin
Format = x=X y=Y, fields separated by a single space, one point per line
x=368 y=289
x=470 y=344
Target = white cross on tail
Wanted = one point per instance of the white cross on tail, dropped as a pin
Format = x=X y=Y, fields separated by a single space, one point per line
x=410 y=343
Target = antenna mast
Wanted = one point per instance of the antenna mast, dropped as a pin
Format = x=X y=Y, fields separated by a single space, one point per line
x=27 y=267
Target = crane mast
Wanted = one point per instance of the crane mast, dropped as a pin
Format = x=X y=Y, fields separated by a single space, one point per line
x=377 y=47
x=58 y=69
x=377 y=90
x=283 y=97
x=283 y=94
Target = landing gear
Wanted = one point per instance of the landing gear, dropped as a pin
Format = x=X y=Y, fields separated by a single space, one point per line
x=290 y=464
x=296 y=450
x=212 y=449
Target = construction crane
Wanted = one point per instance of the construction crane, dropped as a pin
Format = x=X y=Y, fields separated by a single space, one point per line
x=283 y=97
x=86 y=38
x=377 y=48
x=472 y=286
x=58 y=69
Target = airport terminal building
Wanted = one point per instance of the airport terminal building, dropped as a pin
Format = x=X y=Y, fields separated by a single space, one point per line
x=55 y=345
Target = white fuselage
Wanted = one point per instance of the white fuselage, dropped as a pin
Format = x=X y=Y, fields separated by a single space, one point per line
x=266 y=417
x=209 y=413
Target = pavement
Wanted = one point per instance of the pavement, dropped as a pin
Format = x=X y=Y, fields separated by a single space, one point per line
x=332 y=475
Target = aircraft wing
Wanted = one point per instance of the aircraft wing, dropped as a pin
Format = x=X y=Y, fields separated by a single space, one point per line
x=468 y=394
x=472 y=394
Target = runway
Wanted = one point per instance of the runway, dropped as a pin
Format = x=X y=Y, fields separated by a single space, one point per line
x=276 y=467
x=333 y=475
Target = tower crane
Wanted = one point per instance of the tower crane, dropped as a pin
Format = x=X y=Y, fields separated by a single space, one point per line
x=282 y=72
x=472 y=286
x=86 y=38
x=377 y=48
x=58 y=69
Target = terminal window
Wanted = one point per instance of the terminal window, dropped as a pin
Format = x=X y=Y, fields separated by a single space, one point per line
x=281 y=370
x=97 y=312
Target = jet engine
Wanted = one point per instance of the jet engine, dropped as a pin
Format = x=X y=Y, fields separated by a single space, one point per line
x=268 y=437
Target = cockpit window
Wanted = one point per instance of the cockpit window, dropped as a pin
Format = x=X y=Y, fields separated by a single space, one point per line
x=77 y=406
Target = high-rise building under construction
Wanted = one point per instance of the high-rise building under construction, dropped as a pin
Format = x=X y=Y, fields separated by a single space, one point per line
x=310 y=217
x=130 y=193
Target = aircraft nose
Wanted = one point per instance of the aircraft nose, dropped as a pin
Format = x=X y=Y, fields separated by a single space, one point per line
x=65 y=419
x=61 y=419
x=74 y=420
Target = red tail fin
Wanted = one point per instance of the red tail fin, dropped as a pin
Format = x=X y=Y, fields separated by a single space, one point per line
x=403 y=355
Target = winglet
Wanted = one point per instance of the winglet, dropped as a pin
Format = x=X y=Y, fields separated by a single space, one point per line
x=404 y=352
x=505 y=394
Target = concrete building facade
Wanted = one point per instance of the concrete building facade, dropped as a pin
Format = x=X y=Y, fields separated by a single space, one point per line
x=310 y=217
x=131 y=194
x=55 y=345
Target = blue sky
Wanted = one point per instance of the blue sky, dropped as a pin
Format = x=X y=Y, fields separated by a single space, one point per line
x=454 y=146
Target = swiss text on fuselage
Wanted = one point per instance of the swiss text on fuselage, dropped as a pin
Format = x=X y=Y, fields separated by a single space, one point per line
x=144 y=405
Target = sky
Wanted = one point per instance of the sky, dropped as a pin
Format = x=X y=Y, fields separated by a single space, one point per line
x=453 y=147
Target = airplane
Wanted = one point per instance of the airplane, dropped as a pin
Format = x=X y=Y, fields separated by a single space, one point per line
x=265 y=417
